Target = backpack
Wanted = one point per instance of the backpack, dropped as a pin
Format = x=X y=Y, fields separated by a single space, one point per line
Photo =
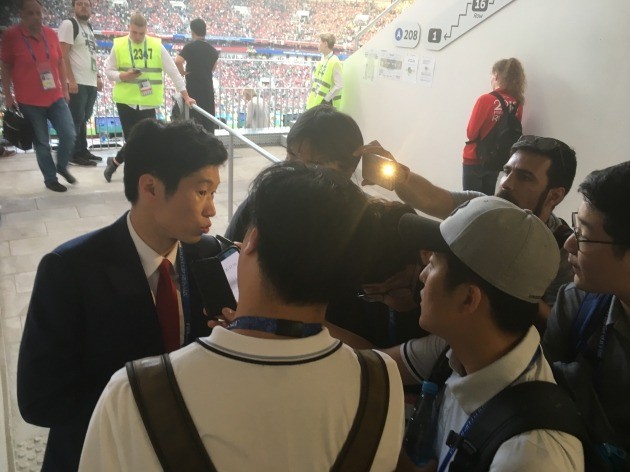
x=493 y=151
x=178 y=445
x=75 y=27
x=17 y=129
x=515 y=410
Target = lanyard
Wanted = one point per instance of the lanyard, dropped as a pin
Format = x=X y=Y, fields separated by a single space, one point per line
x=281 y=327
x=28 y=45
x=475 y=415
x=184 y=288
x=133 y=62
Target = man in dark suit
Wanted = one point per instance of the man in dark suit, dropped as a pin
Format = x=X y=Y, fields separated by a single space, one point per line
x=97 y=299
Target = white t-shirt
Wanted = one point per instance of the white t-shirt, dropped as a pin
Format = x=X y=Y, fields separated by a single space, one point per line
x=82 y=51
x=258 y=404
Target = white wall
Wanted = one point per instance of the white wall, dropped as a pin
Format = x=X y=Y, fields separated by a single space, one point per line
x=576 y=55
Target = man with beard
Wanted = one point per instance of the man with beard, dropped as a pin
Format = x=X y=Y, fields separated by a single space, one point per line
x=589 y=330
x=537 y=177
x=78 y=48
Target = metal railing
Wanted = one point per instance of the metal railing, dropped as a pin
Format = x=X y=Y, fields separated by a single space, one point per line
x=233 y=134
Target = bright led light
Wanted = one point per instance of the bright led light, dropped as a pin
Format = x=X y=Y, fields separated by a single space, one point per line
x=388 y=170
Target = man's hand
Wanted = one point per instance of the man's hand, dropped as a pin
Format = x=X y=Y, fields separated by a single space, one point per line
x=130 y=75
x=228 y=316
x=99 y=84
x=66 y=95
x=73 y=87
x=374 y=147
x=188 y=99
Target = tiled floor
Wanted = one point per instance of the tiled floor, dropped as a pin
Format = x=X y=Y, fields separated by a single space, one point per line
x=35 y=220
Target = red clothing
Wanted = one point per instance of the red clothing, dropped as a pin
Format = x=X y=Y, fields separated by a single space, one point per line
x=485 y=114
x=27 y=84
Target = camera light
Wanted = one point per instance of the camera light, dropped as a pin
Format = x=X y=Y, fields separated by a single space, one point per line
x=388 y=170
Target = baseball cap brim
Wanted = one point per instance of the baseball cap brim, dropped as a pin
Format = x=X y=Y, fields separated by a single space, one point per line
x=419 y=232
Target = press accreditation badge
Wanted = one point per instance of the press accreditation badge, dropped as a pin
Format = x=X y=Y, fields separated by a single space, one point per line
x=94 y=69
x=145 y=87
x=46 y=75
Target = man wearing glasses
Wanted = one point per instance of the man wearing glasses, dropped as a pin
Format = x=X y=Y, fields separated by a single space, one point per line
x=537 y=177
x=589 y=328
x=78 y=49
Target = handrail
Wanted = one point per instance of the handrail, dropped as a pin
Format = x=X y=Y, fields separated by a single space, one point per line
x=369 y=26
x=233 y=134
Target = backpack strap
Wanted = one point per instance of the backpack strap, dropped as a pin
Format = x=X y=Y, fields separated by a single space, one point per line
x=517 y=409
x=166 y=418
x=365 y=434
x=75 y=27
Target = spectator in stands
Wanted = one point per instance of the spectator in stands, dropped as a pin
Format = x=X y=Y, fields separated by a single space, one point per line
x=78 y=48
x=136 y=64
x=297 y=254
x=321 y=135
x=537 y=177
x=486 y=319
x=103 y=299
x=589 y=329
x=327 y=77
x=256 y=112
x=32 y=63
x=507 y=80
x=200 y=59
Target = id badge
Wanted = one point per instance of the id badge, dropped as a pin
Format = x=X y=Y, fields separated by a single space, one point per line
x=46 y=75
x=145 y=87
x=94 y=65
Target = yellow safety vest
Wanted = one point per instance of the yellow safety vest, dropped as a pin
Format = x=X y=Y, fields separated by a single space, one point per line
x=322 y=83
x=147 y=57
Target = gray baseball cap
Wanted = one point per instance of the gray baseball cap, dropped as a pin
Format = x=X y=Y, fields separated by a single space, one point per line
x=507 y=246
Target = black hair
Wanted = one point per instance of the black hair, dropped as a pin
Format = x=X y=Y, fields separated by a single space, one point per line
x=510 y=314
x=331 y=134
x=198 y=26
x=309 y=220
x=169 y=152
x=389 y=255
x=608 y=190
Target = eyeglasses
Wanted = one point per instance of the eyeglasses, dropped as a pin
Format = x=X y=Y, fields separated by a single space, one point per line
x=579 y=238
x=379 y=297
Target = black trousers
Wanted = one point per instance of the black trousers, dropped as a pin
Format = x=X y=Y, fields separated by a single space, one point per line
x=129 y=116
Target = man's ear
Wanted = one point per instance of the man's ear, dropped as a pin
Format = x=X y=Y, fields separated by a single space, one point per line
x=147 y=186
x=471 y=299
x=555 y=196
x=250 y=241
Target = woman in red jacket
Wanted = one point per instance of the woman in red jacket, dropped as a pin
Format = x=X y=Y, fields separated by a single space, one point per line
x=508 y=79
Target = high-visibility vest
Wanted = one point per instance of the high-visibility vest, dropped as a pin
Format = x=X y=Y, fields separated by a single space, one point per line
x=322 y=83
x=151 y=67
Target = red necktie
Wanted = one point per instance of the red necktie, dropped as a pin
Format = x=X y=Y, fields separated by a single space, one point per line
x=167 y=307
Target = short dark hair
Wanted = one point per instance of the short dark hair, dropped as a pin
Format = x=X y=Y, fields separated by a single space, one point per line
x=169 y=152
x=330 y=133
x=608 y=190
x=309 y=221
x=21 y=3
x=198 y=26
x=509 y=313
x=561 y=172
x=389 y=255
x=75 y=1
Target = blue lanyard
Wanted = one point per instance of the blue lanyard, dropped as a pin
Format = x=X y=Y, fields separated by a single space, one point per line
x=28 y=45
x=281 y=327
x=133 y=62
x=184 y=290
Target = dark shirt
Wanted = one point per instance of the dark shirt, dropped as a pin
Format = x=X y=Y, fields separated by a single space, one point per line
x=200 y=60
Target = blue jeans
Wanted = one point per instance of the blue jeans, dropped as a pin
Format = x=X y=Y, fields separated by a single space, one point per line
x=81 y=106
x=477 y=178
x=59 y=115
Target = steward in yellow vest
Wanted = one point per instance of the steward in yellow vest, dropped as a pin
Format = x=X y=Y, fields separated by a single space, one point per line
x=147 y=58
x=327 y=77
